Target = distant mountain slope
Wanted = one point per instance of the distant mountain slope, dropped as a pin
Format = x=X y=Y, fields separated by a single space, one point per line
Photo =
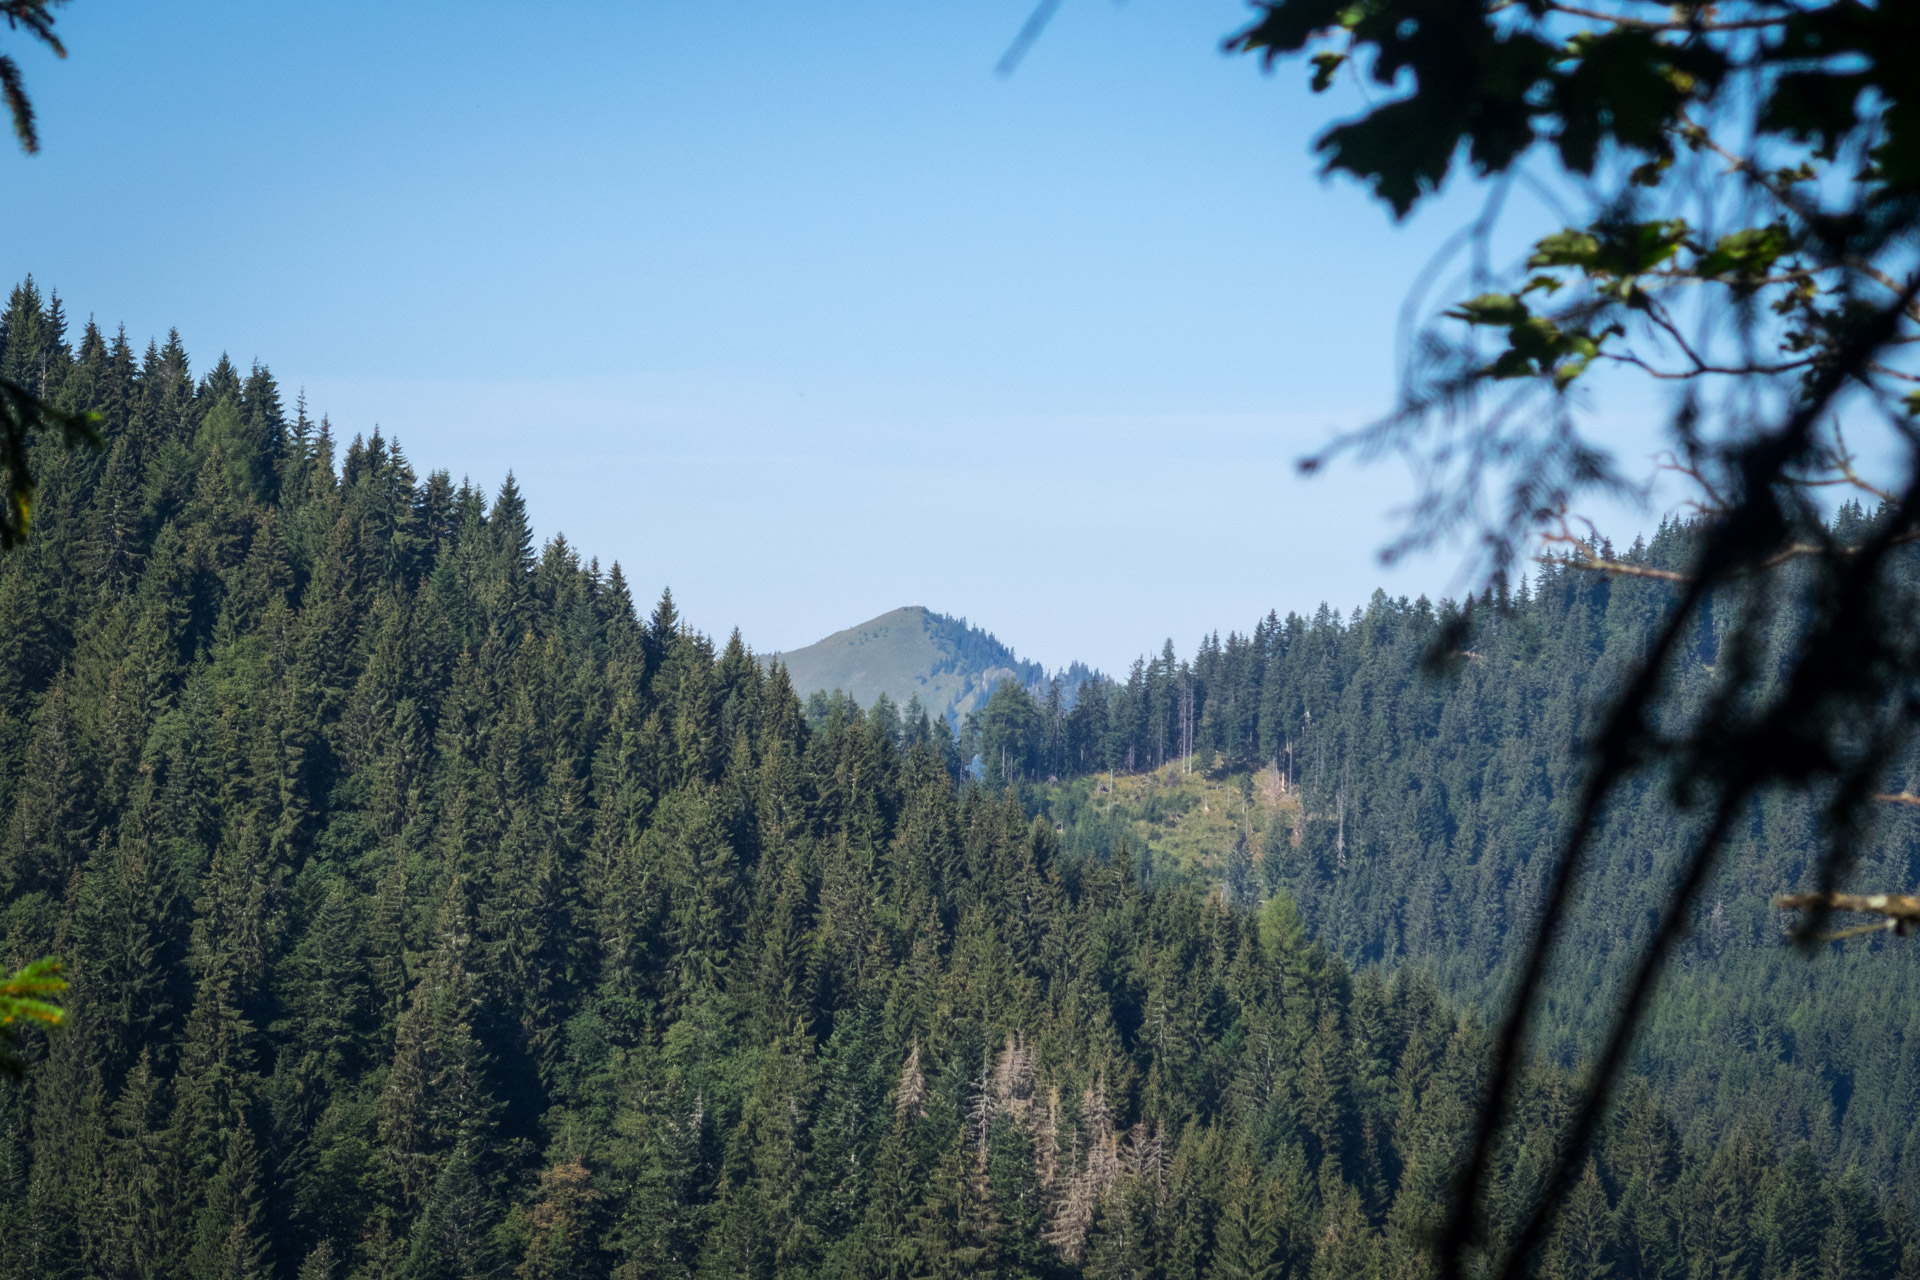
x=951 y=666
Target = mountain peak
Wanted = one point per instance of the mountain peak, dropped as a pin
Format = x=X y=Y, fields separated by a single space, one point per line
x=946 y=662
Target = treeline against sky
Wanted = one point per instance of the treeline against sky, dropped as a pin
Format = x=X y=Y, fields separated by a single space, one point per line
x=431 y=915
x=1433 y=806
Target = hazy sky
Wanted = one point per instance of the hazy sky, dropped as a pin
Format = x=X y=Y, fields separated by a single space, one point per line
x=795 y=307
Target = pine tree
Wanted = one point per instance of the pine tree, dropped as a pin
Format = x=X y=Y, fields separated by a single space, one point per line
x=1582 y=1245
x=128 y=921
x=327 y=998
x=512 y=561
x=435 y=1102
x=1794 y=1216
x=52 y=819
x=453 y=1238
x=1856 y=1244
x=138 y=1201
x=1348 y=1248
x=560 y=1226
x=954 y=1232
x=704 y=887
x=319 y=1263
x=1249 y=1242
x=229 y=1240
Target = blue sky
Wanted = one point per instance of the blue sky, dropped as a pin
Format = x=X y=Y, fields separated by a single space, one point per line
x=796 y=307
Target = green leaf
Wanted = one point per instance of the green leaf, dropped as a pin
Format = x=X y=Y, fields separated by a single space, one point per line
x=1569 y=370
x=1325 y=66
x=1650 y=173
x=1627 y=85
x=1612 y=250
x=1475 y=81
x=1748 y=252
x=1492 y=308
x=1567 y=248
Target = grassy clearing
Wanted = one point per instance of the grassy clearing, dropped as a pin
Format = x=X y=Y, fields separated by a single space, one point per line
x=1187 y=821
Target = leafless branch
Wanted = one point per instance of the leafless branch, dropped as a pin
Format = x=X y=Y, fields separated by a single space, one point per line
x=1696 y=23
x=1899 y=912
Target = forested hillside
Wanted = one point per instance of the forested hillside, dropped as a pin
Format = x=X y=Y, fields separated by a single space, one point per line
x=430 y=914
x=1428 y=806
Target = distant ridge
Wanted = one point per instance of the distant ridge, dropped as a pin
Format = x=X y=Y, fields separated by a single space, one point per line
x=949 y=664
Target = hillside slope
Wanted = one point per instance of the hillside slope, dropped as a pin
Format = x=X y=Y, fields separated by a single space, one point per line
x=1430 y=812
x=430 y=915
x=950 y=666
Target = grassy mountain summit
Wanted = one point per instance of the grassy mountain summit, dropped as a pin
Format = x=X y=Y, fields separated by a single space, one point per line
x=949 y=664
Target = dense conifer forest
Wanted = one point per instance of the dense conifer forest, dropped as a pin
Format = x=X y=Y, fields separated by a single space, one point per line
x=432 y=914
x=1428 y=807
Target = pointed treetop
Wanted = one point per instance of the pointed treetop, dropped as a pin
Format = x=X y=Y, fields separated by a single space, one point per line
x=221 y=383
x=170 y=363
x=56 y=323
x=619 y=599
x=509 y=521
x=665 y=623
x=93 y=344
x=260 y=399
x=323 y=448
